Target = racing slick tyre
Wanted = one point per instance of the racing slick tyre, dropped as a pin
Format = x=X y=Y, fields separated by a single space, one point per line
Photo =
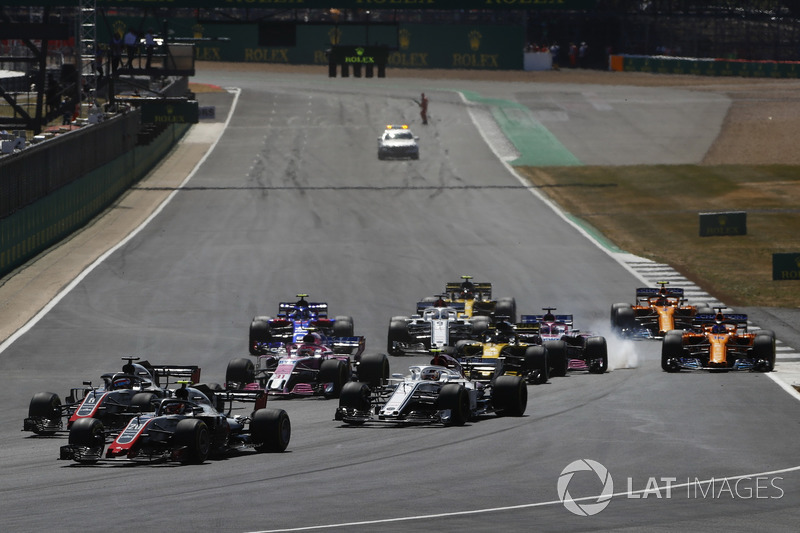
x=355 y=397
x=398 y=332
x=336 y=372
x=506 y=307
x=373 y=369
x=239 y=373
x=764 y=351
x=596 y=354
x=270 y=430
x=259 y=332
x=557 y=357
x=510 y=396
x=143 y=402
x=536 y=368
x=45 y=405
x=479 y=325
x=671 y=351
x=704 y=310
x=343 y=326
x=194 y=437
x=454 y=397
x=89 y=435
x=622 y=317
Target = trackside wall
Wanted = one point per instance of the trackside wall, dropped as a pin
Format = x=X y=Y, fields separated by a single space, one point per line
x=33 y=228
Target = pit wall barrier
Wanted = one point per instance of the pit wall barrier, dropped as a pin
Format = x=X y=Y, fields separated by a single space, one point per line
x=704 y=66
x=35 y=227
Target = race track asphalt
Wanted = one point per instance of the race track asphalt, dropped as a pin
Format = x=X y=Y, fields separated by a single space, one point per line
x=292 y=198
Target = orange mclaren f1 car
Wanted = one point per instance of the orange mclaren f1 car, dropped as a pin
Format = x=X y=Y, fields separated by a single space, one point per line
x=655 y=312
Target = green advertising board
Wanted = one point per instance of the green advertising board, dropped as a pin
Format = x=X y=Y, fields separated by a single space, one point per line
x=786 y=266
x=169 y=111
x=726 y=223
x=410 y=45
x=324 y=4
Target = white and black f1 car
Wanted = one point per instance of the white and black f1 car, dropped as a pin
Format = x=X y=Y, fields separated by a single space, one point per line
x=294 y=320
x=188 y=428
x=432 y=394
x=437 y=327
x=120 y=396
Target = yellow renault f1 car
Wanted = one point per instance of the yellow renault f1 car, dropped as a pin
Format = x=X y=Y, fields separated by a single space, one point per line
x=718 y=342
x=504 y=351
x=655 y=312
x=473 y=300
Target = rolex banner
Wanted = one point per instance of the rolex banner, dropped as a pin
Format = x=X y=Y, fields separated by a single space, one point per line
x=410 y=45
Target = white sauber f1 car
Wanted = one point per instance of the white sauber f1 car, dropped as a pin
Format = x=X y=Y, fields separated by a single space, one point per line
x=432 y=394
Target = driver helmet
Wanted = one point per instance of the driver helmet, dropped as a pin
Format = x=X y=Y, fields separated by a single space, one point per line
x=430 y=374
x=121 y=383
x=312 y=338
x=719 y=326
x=175 y=408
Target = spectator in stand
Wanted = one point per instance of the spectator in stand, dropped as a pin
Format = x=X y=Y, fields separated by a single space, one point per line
x=149 y=46
x=115 y=52
x=554 y=50
x=573 y=55
x=131 y=43
x=583 y=55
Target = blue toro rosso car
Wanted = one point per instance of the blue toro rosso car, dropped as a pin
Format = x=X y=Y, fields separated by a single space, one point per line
x=294 y=320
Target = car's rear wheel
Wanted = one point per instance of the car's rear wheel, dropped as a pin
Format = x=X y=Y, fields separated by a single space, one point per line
x=764 y=350
x=240 y=372
x=343 y=326
x=398 y=333
x=557 y=357
x=194 y=437
x=143 y=402
x=596 y=354
x=537 y=368
x=507 y=308
x=373 y=369
x=671 y=351
x=336 y=372
x=259 y=332
x=270 y=430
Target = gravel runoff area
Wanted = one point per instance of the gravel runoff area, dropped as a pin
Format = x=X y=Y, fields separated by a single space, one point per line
x=761 y=128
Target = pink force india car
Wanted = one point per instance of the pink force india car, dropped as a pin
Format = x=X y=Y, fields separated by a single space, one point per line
x=121 y=396
x=316 y=366
x=567 y=348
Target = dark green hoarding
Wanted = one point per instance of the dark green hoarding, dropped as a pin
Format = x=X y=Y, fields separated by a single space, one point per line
x=410 y=45
x=325 y=4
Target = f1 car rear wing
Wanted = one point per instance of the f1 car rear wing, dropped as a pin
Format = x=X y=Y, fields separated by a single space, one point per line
x=187 y=372
x=531 y=319
x=737 y=319
x=421 y=306
x=643 y=293
x=258 y=397
x=318 y=308
x=481 y=291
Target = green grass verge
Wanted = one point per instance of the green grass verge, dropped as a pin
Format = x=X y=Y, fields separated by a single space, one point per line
x=652 y=211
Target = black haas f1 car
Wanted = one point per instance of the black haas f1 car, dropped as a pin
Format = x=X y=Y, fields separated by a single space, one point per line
x=474 y=300
x=440 y=326
x=294 y=320
x=718 y=342
x=316 y=366
x=438 y=393
x=655 y=312
x=568 y=348
x=188 y=428
x=121 y=396
x=502 y=351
